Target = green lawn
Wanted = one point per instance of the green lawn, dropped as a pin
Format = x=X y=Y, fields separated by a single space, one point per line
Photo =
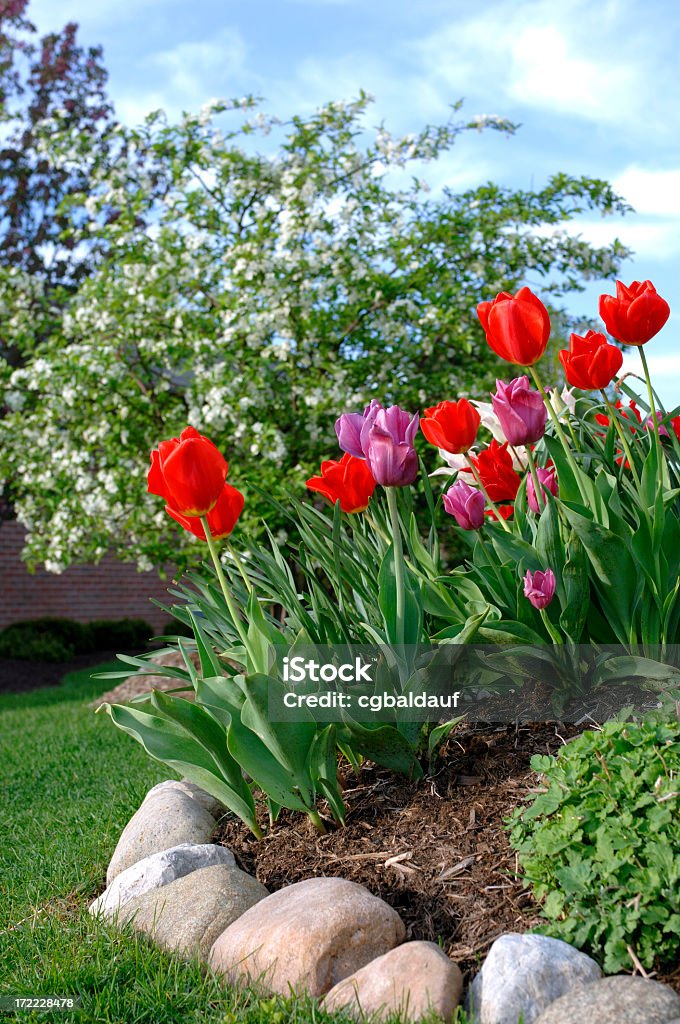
x=69 y=782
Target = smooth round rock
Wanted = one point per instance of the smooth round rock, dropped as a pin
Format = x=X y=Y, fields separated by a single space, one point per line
x=156 y=871
x=620 y=999
x=187 y=915
x=165 y=819
x=524 y=974
x=307 y=937
x=207 y=802
x=411 y=980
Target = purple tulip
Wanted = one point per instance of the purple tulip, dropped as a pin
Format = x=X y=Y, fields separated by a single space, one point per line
x=547 y=479
x=352 y=429
x=539 y=587
x=388 y=446
x=466 y=504
x=522 y=413
x=649 y=424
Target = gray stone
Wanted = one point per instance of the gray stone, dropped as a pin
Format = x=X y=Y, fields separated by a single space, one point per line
x=158 y=870
x=207 y=802
x=617 y=1000
x=411 y=980
x=307 y=937
x=187 y=915
x=165 y=819
x=523 y=974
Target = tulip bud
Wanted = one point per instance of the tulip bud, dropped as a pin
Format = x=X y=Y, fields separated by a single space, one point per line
x=389 y=447
x=635 y=314
x=451 y=426
x=465 y=504
x=547 y=479
x=522 y=413
x=349 y=481
x=188 y=472
x=352 y=429
x=590 y=362
x=517 y=327
x=539 y=587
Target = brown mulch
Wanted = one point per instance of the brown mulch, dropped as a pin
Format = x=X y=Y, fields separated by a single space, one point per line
x=135 y=685
x=435 y=850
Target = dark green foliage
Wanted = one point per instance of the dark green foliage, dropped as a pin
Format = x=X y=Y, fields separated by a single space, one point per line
x=55 y=639
x=601 y=843
x=120 y=634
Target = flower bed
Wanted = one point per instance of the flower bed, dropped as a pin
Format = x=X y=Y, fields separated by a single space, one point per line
x=351 y=643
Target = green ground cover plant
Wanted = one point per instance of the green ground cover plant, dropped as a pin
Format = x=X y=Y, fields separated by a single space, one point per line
x=600 y=844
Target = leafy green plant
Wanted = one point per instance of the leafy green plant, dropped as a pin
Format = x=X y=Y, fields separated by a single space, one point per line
x=126 y=634
x=600 y=844
x=28 y=645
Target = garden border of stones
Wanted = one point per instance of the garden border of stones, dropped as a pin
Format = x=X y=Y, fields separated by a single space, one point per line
x=334 y=940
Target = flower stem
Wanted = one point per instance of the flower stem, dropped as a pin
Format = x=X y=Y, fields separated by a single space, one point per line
x=541 y=500
x=652 y=409
x=316 y=821
x=239 y=565
x=556 y=637
x=620 y=431
x=492 y=505
x=233 y=611
x=556 y=423
x=398 y=560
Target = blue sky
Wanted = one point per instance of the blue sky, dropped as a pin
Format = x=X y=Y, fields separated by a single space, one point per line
x=595 y=86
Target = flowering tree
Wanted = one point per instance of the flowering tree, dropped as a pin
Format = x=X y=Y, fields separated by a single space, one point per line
x=43 y=80
x=251 y=294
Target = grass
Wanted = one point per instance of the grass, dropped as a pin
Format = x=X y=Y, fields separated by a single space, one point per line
x=69 y=782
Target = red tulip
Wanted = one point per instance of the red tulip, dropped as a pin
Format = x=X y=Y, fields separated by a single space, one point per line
x=494 y=465
x=626 y=413
x=451 y=426
x=636 y=314
x=222 y=517
x=632 y=407
x=188 y=472
x=590 y=362
x=349 y=481
x=517 y=327
x=505 y=511
x=675 y=423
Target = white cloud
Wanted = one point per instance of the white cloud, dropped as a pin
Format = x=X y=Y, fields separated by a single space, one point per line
x=187 y=76
x=655 y=193
x=545 y=55
x=648 y=240
x=548 y=71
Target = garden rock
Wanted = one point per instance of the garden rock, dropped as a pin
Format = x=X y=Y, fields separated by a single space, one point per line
x=524 y=974
x=158 y=870
x=617 y=1000
x=410 y=980
x=187 y=915
x=308 y=937
x=207 y=802
x=165 y=819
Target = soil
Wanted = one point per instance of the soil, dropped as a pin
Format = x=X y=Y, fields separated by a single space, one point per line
x=435 y=850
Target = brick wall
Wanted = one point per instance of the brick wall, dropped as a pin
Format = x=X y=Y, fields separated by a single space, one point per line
x=110 y=590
